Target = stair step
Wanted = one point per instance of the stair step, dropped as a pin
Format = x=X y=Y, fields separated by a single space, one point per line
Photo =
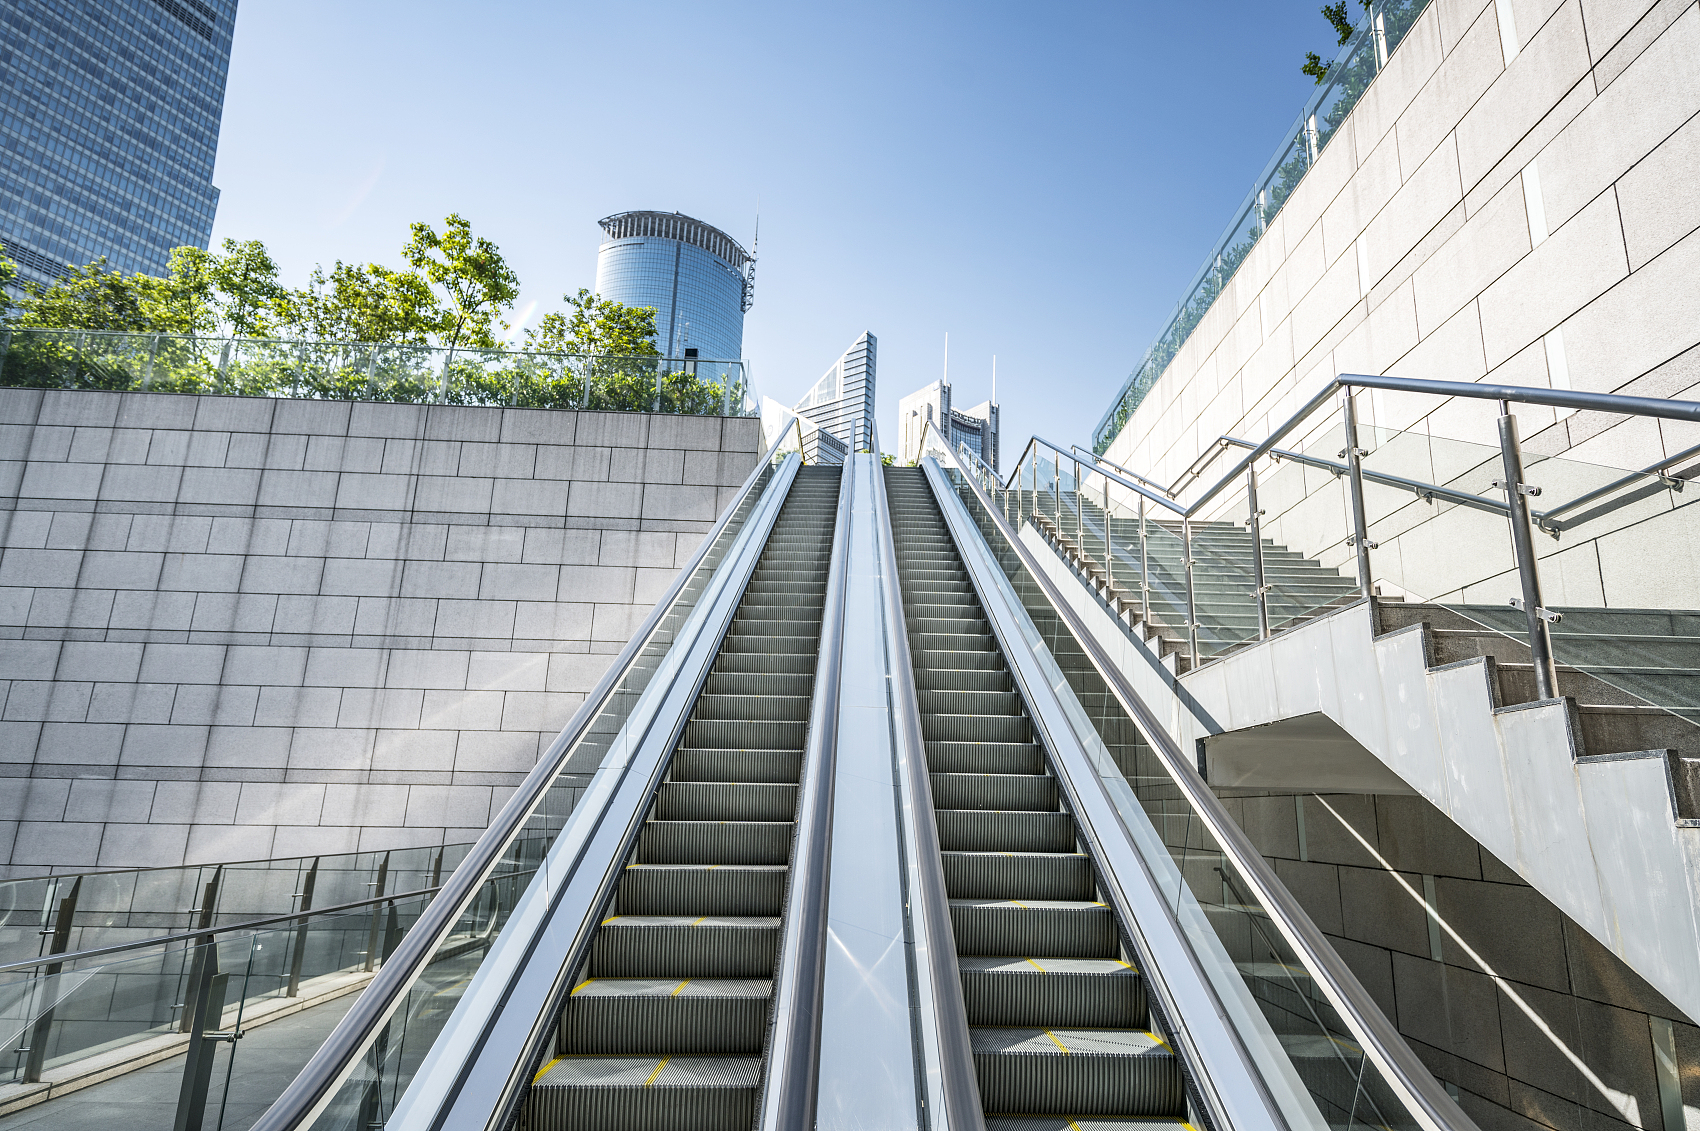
x=625 y=1016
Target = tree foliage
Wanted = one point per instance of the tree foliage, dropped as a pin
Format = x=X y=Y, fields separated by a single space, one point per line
x=471 y=277
x=593 y=324
x=1339 y=18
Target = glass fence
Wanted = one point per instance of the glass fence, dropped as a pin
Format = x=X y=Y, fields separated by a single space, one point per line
x=1233 y=934
x=1360 y=60
x=1607 y=555
x=85 y=912
x=363 y=371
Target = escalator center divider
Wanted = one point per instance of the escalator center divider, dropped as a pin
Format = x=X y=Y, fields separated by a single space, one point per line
x=1058 y=1016
x=666 y=1023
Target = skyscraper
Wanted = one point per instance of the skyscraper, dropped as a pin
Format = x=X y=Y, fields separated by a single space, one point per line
x=109 y=120
x=699 y=280
x=842 y=401
x=977 y=427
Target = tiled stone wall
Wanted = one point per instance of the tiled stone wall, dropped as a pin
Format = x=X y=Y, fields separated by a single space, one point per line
x=234 y=628
x=1499 y=993
x=1512 y=200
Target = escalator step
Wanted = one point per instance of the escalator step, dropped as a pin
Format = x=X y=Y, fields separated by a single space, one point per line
x=1082 y=1123
x=1062 y=928
x=682 y=946
x=976 y=728
x=701 y=889
x=1102 y=1071
x=1086 y=993
x=944 y=679
x=714 y=842
x=1018 y=875
x=691 y=764
x=624 y=1016
x=985 y=757
x=740 y=734
x=994 y=791
x=725 y=801
x=710 y=1093
x=752 y=708
x=978 y=830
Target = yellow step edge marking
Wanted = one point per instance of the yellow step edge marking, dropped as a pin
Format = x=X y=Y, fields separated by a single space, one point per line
x=712 y=867
x=1035 y=966
x=1158 y=1039
x=1056 y=1042
x=581 y=985
x=657 y=1071
x=544 y=1069
x=1128 y=965
x=1188 y=1126
x=1073 y=1125
x=699 y=920
x=679 y=987
x=1021 y=905
x=608 y=920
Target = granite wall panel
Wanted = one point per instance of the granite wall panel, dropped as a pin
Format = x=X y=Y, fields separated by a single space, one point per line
x=234 y=627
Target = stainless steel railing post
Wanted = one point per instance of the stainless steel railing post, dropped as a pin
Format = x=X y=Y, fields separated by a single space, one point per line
x=1191 y=595
x=1144 y=566
x=1517 y=495
x=1354 y=457
x=1260 y=589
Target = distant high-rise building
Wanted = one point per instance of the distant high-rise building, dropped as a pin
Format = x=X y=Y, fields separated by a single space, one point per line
x=842 y=401
x=977 y=427
x=699 y=280
x=109 y=119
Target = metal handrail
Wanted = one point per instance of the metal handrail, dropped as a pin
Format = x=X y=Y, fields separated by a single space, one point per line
x=208 y=932
x=793 y=1060
x=1517 y=394
x=387 y=991
x=1095 y=458
x=1415 y=486
x=1381 y=1041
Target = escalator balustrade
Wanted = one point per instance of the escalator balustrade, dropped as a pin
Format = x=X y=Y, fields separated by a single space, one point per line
x=1060 y=1029
x=665 y=1026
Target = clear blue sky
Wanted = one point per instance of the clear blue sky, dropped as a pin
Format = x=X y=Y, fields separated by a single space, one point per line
x=1041 y=182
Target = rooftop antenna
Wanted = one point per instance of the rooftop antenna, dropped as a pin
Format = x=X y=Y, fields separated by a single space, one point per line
x=947 y=357
x=994 y=378
x=749 y=296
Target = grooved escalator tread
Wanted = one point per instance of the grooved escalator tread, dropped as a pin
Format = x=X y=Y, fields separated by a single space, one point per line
x=1058 y=1017
x=665 y=1027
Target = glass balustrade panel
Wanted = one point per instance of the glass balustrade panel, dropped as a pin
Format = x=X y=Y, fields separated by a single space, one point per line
x=1235 y=937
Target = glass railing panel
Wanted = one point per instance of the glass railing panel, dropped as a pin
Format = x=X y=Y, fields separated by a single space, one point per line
x=382 y=1075
x=1233 y=934
x=399 y=372
x=1309 y=565
x=53 y=1019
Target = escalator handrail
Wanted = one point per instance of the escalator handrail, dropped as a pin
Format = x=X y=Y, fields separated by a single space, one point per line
x=933 y=936
x=1404 y=1072
x=793 y=1057
x=330 y=1064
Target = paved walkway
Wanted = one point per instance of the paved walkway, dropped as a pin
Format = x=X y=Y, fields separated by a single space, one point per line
x=267 y=1059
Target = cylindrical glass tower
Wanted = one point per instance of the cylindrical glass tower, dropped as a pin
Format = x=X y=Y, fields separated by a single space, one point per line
x=693 y=275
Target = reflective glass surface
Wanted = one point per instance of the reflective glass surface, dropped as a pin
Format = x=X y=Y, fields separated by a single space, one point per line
x=109 y=122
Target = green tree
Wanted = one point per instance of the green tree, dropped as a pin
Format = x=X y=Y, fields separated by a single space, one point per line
x=89 y=297
x=252 y=301
x=473 y=278
x=596 y=325
x=185 y=300
x=1339 y=18
x=362 y=304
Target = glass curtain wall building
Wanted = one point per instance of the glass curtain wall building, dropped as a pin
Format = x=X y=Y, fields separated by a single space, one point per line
x=699 y=280
x=109 y=121
x=842 y=401
x=977 y=427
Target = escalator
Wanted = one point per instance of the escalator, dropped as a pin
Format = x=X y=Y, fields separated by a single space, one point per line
x=851 y=846
x=665 y=1027
x=1059 y=1021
